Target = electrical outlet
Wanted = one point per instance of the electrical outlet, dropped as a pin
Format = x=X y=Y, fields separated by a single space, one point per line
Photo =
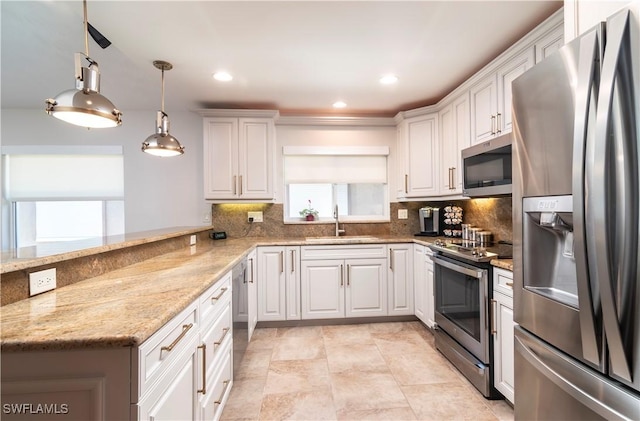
x=257 y=216
x=403 y=214
x=192 y=240
x=42 y=281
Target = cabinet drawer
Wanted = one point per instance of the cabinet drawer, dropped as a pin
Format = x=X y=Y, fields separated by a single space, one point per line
x=215 y=298
x=217 y=336
x=218 y=389
x=343 y=252
x=503 y=281
x=157 y=353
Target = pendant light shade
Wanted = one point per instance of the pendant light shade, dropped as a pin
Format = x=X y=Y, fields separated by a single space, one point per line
x=84 y=105
x=161 y=143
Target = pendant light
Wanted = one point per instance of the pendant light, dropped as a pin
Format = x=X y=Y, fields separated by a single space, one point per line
x=161 y=143
x=84 y=105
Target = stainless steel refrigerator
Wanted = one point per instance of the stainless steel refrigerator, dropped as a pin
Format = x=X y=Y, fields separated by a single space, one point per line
x=576 y=206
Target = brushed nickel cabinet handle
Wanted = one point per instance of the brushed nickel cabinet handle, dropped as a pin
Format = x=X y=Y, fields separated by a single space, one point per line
x=185 y=329
x=453 y=178
x=293 y=261
x=494 y=311
x=240 y=185
x=217 y=297
x=509 y=284
x=348 y=275
x=281 y=261
x=251 y=261
x=224 y=391
x=341 y=276
x=406 y=183
x=234 y=185
x=391 y=258
x=493 y=124
x=203 y=347
x=224 y=333
x=499 y=123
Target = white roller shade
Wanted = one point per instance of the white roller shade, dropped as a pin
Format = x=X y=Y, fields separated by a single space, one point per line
x=64 y=176
x=335 y=165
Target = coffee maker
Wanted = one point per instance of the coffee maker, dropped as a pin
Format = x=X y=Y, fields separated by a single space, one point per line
x=429 y=221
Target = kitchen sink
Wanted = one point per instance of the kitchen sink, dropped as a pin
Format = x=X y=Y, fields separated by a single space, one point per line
x=342 y=239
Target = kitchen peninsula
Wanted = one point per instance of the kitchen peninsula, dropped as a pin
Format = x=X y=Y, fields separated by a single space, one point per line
x=102 y=324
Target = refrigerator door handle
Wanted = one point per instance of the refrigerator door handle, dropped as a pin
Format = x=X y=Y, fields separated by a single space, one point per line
x=586 y=386
x=616 y=232
x=585 y=105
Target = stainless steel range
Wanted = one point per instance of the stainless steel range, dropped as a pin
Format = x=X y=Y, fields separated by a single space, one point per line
x=462 y=289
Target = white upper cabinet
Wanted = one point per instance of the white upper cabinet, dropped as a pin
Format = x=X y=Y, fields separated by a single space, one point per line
x=239 y=156
x=484 y=109
x=418 y=145
x=505 y=75
x=491 y=98
x=549 y=44
x=454 y=136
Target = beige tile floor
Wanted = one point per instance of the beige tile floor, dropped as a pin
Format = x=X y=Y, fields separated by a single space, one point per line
x=381 y=371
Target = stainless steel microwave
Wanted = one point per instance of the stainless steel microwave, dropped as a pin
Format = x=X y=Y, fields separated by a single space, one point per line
x=486 y=168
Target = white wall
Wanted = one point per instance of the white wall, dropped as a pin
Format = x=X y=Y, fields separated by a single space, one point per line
x=334 y=136
x=159 y=192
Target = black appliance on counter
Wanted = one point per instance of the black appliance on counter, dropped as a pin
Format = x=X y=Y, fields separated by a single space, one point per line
x=430 y=222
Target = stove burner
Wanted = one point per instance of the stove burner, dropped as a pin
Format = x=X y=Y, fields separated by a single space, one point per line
x=464 y=249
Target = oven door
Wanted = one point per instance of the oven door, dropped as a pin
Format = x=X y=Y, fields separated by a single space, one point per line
x=461 y=304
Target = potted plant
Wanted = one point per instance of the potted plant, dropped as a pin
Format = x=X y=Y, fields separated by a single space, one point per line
x=309 y=213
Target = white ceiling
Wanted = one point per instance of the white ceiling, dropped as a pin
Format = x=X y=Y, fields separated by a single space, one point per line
x=295 y=56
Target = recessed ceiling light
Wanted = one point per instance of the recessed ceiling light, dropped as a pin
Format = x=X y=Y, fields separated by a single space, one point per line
x=339 y=104
x=388 y=79
x=222 y=76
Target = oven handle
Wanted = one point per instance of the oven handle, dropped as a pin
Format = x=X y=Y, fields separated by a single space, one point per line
x=477 y=273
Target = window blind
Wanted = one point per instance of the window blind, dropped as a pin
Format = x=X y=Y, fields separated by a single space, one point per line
x=63 y=176
x=333 y=165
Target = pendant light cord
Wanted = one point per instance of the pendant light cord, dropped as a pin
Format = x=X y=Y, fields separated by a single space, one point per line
x=162 y=103
x=86 y=29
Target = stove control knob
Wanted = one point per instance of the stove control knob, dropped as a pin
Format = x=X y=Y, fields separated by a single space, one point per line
x=474 y=252
x=482 y=253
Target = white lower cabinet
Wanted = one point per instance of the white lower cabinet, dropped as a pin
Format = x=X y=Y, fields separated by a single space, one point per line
x=278 y=280
x=502 y=330
x=181 y=372
x=252 y=291
x=343 y=281
x=423 y=284
x=400 y=279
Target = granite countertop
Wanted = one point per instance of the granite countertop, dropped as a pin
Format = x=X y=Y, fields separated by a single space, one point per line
x=29 y=257
x=126 y=306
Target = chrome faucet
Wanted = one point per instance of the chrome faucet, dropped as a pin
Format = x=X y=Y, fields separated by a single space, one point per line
x=338 y=230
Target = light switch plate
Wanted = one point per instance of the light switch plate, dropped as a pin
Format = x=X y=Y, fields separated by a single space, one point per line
x=403 y=214
x=257 y=216
x=192 y=240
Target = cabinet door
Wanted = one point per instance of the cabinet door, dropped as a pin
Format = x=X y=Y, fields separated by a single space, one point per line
x=252 y=292
x=462 y=138
x=322 y=288
x=419 y=282
x=448 y=149
x=549 y=44
x=503 y=345
x=421 y=178
x=429 y=302
x=174 y=396
x=256 y=158
x=483 y=109
x=271 y=284
x=400 y=279
x=366 y=287
x=506 y=74
x=293 y=282
x=220 y=152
